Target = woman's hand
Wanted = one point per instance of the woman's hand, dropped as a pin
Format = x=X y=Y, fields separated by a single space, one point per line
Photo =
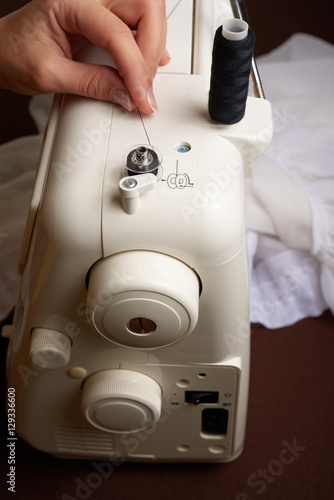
x=39 y=41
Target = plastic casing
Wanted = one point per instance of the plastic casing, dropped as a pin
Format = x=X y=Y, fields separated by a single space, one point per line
x=194 y=216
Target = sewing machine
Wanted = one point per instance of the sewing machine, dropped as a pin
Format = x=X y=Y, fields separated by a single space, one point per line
x=130 y=339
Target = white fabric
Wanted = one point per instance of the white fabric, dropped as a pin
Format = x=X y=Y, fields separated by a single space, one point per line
x=290 y=190
x=289 y=193
x=18 y=162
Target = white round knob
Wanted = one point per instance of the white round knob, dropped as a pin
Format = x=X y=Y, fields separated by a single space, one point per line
x=143 y=299
x=121 y=401
x=49 y=348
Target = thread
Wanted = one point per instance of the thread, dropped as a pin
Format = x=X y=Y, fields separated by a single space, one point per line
x=230 y=71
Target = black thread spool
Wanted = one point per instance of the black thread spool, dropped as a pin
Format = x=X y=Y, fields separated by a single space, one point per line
x=231 y=63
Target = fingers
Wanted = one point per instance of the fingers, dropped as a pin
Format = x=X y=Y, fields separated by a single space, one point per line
x=88 y=80
x=151 y=37
x=41 y=60
x=148 y=19
x=166 y=57
x=112 y=34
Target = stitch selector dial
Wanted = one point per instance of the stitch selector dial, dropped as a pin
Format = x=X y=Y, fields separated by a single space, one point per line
x=121 y=401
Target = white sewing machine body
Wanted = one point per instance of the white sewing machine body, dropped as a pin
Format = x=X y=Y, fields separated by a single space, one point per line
x=131 y=336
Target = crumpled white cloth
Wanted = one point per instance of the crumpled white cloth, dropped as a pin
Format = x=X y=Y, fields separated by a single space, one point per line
x=289 y=192
x=18 y=163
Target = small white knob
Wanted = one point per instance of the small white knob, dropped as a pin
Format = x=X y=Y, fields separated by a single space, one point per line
x=130 y=189
x=49 y=348
x=121 y=401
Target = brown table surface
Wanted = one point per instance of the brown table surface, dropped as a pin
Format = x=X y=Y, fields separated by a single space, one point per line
x=292 y=372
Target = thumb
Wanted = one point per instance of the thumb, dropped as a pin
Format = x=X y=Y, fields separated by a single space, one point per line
x=89 y=80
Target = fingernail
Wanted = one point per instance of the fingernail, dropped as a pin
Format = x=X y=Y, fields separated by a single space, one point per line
x=167 y=54
x=121 y=97
x=151 y=101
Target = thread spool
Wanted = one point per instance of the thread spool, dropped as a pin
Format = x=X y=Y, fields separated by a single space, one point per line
x=231 y=63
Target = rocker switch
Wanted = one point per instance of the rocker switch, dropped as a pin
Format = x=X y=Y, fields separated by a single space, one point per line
x=201 y=397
